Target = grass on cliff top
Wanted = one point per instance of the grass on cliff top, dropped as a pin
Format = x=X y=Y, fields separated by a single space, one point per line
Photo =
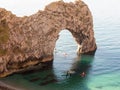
x=3 y=52
x=4 y=36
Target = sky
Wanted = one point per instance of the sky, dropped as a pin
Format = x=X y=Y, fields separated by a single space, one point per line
x=25 y=7
x=28 y=7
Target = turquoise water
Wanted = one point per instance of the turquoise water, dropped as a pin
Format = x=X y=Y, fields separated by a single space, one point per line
x=102 y=70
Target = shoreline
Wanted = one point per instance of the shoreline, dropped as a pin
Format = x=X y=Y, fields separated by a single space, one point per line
x=4 y=86
x=7 y=86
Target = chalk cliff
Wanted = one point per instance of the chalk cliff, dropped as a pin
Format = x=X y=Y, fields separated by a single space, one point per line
x=27 y=41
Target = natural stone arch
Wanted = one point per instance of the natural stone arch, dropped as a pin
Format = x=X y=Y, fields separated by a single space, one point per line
x=31 y=40
x=78 y=20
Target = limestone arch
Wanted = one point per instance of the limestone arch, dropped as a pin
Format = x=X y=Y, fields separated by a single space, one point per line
x=31 y=39
x=76 y=18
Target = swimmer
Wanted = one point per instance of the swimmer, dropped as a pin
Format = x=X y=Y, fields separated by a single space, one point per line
x=70 y=73
x=65 y=54
x=83 y=74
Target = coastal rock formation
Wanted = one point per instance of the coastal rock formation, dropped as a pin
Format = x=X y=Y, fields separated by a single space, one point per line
x=27 y=41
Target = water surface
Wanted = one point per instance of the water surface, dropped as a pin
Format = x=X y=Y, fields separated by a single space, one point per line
x=102 y=70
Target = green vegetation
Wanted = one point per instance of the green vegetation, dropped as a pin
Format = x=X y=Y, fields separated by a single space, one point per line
x=3 y=52
x=4 y=36
x=4 y=32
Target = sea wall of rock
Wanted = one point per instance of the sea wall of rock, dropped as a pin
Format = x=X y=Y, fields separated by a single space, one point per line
x=29 y=40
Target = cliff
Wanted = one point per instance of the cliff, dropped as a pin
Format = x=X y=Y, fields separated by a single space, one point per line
x=27 y=41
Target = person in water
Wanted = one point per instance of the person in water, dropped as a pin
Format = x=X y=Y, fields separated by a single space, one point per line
x=70 y=73
x=83 y=74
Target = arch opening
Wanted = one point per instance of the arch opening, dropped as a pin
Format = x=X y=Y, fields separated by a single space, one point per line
x=66 y=44
x=65 y=55
x=64 y=51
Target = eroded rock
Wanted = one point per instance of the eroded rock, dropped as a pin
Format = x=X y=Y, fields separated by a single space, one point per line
x=28 y=41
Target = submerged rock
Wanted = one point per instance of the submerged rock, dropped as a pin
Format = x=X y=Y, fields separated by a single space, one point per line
x=28 y=41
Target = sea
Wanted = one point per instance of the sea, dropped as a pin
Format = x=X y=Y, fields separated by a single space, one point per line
x=102 y=70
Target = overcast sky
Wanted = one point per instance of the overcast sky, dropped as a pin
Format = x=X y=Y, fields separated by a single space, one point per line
x=25 y=7
x=28 y=7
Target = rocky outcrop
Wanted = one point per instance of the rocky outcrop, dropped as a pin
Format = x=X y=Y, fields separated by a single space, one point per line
x=28 y=41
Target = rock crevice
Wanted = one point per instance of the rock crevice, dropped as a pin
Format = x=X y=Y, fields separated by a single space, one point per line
x=28 y=41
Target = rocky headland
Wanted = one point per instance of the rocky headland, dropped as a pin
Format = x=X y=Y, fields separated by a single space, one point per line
x=28 y=41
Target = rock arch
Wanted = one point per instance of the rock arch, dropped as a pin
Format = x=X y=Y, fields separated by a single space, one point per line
x=28 y=41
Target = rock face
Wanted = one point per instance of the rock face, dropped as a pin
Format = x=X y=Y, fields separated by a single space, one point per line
x=28 y=41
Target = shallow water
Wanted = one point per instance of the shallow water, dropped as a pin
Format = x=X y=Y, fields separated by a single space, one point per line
x=102 y=70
